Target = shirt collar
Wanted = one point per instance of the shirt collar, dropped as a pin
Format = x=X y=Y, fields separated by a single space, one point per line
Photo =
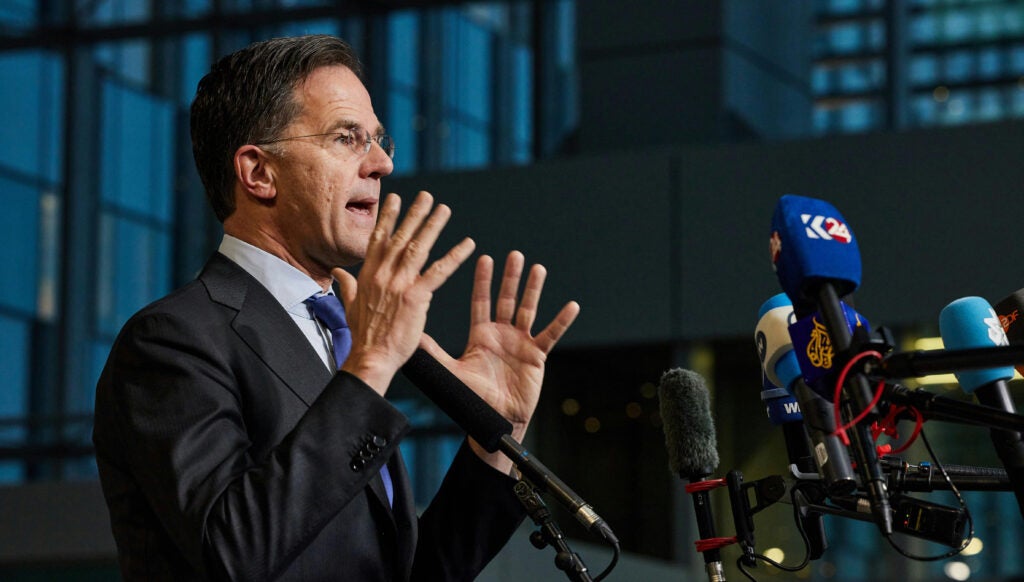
x=287 y=284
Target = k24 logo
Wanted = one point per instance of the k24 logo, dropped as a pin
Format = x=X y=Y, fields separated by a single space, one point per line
x=826 y=228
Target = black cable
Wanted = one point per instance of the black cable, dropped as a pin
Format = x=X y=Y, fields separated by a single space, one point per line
x=803 y=535
x=615 y=560
x=963 y=506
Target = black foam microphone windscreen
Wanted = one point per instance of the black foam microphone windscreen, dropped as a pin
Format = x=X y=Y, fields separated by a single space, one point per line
x=689 y=428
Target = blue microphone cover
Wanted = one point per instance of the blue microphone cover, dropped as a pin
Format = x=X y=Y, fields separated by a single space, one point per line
x=811 y=244
x=813 y=347
x=970 y=322
x=774 y=347
x=780 y=405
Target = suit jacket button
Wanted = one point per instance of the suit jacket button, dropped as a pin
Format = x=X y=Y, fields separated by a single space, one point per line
x=379 y=441
x=358 y=464
x=365 y=455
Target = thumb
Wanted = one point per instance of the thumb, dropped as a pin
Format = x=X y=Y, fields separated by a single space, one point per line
x=347 y=286
x=429 y=345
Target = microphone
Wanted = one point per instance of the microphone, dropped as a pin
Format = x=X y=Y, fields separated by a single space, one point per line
x=692 y=448
x=1009 y=310
x=970 y=322
x=812 y=246
x=493 y=432
x=780 y=365
x=816 y=258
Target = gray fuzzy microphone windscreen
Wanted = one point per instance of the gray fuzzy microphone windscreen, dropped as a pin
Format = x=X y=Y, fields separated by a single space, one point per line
x=689 y=429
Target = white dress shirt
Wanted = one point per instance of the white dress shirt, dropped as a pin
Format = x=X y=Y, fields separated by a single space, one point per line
x=288 y=285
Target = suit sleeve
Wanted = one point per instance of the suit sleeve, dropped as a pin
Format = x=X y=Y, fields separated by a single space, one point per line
x=169 y=403
x=471 y=518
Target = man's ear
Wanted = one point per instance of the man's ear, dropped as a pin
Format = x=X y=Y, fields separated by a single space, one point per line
x=254 y=172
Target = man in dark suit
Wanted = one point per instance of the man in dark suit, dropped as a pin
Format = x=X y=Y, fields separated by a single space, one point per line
x=229 y=444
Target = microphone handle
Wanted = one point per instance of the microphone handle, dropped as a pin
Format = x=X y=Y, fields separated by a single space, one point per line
x=935 y=482
x=545 y=480
x=1008 y=444
x=491 y=431
x=829 y=454
x=798 y=448
x=706 y=529
x=859 y=390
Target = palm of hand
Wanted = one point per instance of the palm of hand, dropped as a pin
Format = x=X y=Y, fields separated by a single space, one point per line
x=503 y=362
x=505 y=367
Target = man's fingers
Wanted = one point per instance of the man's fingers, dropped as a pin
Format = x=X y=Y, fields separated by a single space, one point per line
x=417 y=250
x=442 y=268
x=410 y=224
x=386 y=220
x=547 y=339
x=506 y=305
x=480 y=303
x=527 y=312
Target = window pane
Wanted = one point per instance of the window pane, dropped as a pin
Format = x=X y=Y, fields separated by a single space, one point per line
x=402 y=127
x=33 y=113
x=19 y=246
x=403 y=49
x=15 y=342
x=134 y=270
x=137 y=152
x=195 y=64
x=110 y=12
x=126 y=61
x=19 y=14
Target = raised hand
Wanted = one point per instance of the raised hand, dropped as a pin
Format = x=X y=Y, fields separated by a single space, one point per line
x=387 y=306
x=503 y=362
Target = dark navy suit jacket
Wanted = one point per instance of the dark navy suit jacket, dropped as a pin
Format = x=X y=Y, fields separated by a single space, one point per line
x=226 y=450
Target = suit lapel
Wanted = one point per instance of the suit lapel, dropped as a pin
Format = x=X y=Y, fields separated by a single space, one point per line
x=266 y=328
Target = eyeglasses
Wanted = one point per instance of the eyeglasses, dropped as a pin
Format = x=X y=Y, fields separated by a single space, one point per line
x=359 y=142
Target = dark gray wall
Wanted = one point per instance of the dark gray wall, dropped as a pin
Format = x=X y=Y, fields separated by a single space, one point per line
x=672 y=244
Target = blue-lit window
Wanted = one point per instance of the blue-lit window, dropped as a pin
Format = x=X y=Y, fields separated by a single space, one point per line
x=112 y=12
x=31 y=159
x=135 y=248
x=467 y=96
x=19 y=14
x=128 y=61
x=522 y=87
x=955 y=53
x=404 y=119
x=32 y=106
x=15 y=337
x=195 y=63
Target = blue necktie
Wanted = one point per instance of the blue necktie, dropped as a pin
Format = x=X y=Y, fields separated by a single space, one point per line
x=329 y=310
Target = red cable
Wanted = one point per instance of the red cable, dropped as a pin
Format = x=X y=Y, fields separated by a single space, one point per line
x=714 y=543
x=704 y=485
x=918 y=424
x=841 y=430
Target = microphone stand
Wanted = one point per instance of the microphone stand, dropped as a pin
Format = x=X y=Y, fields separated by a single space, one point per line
x=857 y=389
x=549 y=533
x=927 y=362
x=937 y=407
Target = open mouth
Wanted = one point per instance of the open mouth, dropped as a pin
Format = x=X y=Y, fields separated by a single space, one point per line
x=361 y=206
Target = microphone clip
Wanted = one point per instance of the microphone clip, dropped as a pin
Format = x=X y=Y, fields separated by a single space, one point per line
x=548 y=532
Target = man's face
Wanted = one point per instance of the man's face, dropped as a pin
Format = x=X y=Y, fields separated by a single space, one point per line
x=328 y=194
